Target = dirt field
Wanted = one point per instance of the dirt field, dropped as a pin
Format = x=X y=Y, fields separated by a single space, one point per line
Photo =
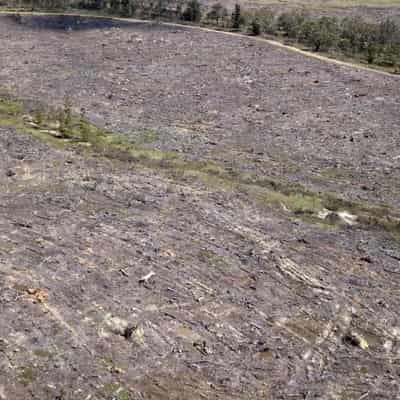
x=263 y=193
x=371 y=10
x=329 y=4
x=333 y=4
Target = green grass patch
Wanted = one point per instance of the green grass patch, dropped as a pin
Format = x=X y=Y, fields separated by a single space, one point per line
x=60 y=128
x=27 y=375
x=43 y=353
x=147 y=136
x=116 y=392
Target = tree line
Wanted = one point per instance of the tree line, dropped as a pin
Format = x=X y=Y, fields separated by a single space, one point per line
x=376 y=43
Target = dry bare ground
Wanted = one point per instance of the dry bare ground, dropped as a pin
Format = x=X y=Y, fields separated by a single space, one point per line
x=245 y=247
x=374 y=10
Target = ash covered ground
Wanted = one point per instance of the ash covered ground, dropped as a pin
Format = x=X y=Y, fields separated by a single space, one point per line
x=250 y=297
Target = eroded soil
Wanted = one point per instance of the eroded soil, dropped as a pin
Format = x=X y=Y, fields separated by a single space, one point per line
x=249 y=299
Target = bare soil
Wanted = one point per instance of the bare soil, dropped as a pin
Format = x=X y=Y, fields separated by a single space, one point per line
x=369 y=10
x=253 y=296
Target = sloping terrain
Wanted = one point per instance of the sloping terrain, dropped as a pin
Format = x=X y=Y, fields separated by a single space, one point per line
x=371 y=10
x=238 y=240
x=245 y=104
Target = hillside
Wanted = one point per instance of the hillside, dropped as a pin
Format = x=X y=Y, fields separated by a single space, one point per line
x=189 y=214
x=371 y=10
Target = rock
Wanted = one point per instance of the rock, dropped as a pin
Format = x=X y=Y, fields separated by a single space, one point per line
x=37 y=294
x=356 y=340
x=336 y=217
x=347 y=218
x=56 y=134
x=115 y=324
x=138 y=335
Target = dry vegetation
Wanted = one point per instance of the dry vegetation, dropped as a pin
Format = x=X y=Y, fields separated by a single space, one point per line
x=326 y=4
x=193 y=215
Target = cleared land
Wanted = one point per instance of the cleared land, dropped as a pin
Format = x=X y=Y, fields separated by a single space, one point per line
x=231 y=154
x=369 y=10
x=326 y=4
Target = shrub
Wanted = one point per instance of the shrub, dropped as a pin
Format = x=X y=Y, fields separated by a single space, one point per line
x=290 y=24
x=321 y=34
x=236 y=19
x=217 y=13
x=267 y=20
x=388 y=32
x=254 y=27
x=192 y=11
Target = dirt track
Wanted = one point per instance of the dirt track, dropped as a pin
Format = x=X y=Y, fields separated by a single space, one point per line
x=248 y=300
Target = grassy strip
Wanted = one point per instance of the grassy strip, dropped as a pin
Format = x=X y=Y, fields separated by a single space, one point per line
x=64 y=130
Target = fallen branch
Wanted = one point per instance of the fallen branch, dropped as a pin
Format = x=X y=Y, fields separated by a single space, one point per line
x=146 y=278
